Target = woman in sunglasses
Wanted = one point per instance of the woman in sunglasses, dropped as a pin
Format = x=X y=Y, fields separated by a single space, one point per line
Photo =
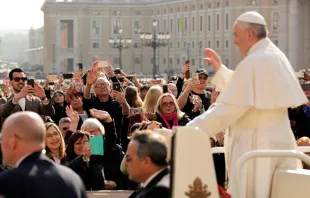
x=168 y=112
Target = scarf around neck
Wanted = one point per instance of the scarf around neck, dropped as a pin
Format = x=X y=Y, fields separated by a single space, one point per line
x=168 y=117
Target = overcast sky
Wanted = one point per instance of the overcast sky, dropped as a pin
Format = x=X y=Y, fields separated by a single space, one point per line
x=20 y=14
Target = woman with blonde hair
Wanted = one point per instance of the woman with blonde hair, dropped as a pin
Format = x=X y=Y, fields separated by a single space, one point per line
x=54 y=143
x=168 y=112
x=150 y=101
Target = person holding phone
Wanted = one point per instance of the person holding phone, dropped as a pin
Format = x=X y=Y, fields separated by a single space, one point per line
x=113 y=102
x=25 y=97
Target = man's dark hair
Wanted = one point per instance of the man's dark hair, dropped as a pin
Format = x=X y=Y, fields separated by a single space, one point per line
x=144 y=87
x=19 y=70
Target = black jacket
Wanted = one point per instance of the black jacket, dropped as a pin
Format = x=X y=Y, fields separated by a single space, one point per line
x=153 y=190
x=182 y=122
x=38 y=177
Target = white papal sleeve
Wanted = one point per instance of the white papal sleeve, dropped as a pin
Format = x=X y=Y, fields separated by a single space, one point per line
x=222 y=77
x=218 y=118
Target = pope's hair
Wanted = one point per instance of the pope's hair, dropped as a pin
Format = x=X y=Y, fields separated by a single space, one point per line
x=260 y=31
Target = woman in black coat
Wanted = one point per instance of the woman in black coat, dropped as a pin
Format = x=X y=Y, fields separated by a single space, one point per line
x=168 y=112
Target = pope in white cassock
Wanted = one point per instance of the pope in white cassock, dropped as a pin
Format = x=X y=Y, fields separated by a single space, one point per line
x=253 y=106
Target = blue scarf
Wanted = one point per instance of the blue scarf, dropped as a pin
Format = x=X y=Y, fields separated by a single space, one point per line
x=306 y=110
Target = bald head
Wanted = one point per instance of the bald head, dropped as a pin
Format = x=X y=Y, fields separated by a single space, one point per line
x=28 y=126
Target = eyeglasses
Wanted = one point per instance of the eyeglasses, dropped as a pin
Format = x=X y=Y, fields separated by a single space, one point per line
x=65 y=128
x=94 y=132
x=165 y=104
x=101 y=85
x=17 y=79
x=51 y=135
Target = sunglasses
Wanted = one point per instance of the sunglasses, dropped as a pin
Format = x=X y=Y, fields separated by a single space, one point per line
x=168 y=104
x=17 y=79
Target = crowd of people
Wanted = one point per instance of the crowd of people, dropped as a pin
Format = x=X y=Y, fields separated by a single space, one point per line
x=92 y=118
x=72 y=116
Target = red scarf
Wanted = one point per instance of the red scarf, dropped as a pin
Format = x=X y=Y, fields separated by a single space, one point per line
x=168 y=117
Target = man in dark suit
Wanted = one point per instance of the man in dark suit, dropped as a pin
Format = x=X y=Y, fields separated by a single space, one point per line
x=146 y=163
x=34 y=176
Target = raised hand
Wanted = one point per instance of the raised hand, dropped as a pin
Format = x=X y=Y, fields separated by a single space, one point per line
x=91 y=77
x=100 y=115
x=213 y=58
x=38 y=90
x=73 y=115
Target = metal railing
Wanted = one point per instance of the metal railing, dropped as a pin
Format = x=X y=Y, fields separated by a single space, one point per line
x=268 y=153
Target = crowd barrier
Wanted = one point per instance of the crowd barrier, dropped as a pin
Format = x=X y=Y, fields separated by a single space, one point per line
x=109 y=193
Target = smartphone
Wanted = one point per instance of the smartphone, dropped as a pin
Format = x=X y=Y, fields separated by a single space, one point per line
x=67 y=76
x=103 y=64
x=79 y=66
x=195 y=76
x=120 y=79
x=30 y=82
x=117 y=87
x=165 y=88
x=136 y=111
x=52 y=77
x=96 y=145
x=187 y=73
x=51 y=83
x=129 y=78
x=117 y=71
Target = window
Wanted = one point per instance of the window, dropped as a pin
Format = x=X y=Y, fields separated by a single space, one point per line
x=178 y=24
x=226 y=44
x=217 y=44
x=193 y=44
x=227 y=3
x=193 y=62
x=137 y=60
x=209 y=5
x=226 y=61
x=275 y=42
x=95 y=45
x=178 y=44
x=171 y=10
x=95 y=27
x=201 y=6
x=252 y=2
x=193 y=8
x=164 y=61
x=209 y=44
x=185 y=24
x=137 y=27
x=275 y=1
x=116 y=26
x=164 y=25
x=200 y=23
x=178 y=61
x=226 y=21
x=171 y=25
x=193 y=24
x=275 y=21
x=164 y=11
x=138 y=13
x=116 y=60
x=184 y=44
x=217 y=22
x=185 y=8
x=218 y=4
x=209 y=22
x=170 y=61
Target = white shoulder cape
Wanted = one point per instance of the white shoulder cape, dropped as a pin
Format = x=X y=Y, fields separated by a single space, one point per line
x=264 y=79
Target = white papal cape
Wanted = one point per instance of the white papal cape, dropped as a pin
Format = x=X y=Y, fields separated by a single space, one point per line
x=253 y=106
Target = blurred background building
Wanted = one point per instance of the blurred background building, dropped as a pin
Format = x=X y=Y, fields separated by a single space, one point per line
x=80 y=30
